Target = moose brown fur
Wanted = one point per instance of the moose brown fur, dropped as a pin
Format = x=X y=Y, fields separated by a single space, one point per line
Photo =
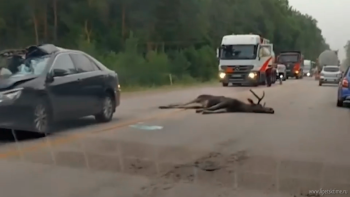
x=210 y=104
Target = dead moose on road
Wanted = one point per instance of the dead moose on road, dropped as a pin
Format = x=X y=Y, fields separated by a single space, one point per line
x=210 y=104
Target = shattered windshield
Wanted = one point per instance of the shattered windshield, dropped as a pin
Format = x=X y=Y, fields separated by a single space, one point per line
x=238 y=52
x=32 y=66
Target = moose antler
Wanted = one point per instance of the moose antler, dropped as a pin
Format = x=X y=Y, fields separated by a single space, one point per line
x=259 y=98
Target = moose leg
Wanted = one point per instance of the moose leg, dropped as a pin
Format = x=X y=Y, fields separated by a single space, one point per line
x=182 y=106
x=192 y=107
x=204 y=106
x=218 y=108
x=219 y=111
x=172 y=106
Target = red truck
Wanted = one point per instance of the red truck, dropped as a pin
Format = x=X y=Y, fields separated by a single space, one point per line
x=294 y=62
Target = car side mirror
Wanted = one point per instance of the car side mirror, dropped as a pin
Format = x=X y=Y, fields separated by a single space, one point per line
x=49 y=78
x=218 y=52
x=59 y=73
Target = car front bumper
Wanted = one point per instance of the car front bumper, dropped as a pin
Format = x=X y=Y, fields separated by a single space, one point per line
x=239 y=78
x=117 y=98
x=292 y=74
x=329 y=79
x=15 y=115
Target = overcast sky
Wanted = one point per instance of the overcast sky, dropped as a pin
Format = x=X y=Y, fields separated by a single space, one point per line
x=332 y=17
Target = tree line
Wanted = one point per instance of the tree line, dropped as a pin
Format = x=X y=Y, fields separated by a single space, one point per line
x=346 y=61
x=146 y=42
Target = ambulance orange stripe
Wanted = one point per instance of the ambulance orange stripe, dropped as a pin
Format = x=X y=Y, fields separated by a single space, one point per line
x=296 y=66
x=264 y=66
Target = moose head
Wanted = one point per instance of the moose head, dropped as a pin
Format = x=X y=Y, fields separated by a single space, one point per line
x=257 y=107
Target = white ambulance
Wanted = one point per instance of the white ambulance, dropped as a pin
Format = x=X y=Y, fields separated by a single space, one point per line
x=244 y=58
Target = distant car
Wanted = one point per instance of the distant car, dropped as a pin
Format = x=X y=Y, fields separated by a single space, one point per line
x=344 y=90
x=330 y=75
x=51 y=84
x=307 y=73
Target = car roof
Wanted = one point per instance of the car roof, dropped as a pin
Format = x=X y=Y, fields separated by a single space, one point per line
x=62 y=50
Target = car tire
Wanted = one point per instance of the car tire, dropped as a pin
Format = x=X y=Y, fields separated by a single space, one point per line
x=107 y=110
x=224 y=84
x=320 y=84
x=339 y=103
x=42 y=117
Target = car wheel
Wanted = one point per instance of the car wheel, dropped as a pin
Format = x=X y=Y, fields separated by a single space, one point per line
x=224 y=84
x=107 y=111
x=320 y=84
x=339 y=103
x=42 y=117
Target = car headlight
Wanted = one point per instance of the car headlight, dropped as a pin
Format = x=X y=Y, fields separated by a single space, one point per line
x=222 y=75
x=296 y=71
x=252 y=75
x=308 y=74
x=11 y=94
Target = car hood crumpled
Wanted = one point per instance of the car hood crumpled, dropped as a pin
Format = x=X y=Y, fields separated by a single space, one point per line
x=9 y=82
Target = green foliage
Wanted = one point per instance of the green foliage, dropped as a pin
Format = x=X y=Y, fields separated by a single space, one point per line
x=160 y=42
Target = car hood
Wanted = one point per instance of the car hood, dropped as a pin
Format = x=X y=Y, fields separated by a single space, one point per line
x=9 y=82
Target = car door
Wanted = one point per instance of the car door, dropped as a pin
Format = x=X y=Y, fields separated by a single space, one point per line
x=64 y=89
x=346 y=75
x=92 y=82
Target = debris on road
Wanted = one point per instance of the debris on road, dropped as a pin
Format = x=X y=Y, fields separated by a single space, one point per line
x=143 y=126
x=187 y=173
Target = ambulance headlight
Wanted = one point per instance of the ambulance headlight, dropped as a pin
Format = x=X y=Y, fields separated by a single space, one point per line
x=252 y=75
x=222 y=75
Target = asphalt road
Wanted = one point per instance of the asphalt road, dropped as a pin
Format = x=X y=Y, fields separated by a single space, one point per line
x=146 y=151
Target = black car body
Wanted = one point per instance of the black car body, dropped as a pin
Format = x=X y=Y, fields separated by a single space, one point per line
x=52 y=84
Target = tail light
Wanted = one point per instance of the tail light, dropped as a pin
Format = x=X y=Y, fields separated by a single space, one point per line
x=345 y=83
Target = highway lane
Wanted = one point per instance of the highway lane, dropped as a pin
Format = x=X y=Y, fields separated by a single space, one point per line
x=303 y=146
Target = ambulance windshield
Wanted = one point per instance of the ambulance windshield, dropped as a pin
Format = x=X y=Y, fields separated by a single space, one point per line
x=229 y=52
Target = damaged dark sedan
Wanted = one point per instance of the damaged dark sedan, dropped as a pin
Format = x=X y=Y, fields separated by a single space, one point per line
x=43 y=84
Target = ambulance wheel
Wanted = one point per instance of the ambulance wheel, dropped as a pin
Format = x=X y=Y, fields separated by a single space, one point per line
x=224 y=84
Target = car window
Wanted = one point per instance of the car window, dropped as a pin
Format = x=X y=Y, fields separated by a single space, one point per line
x=99 y=64
x=83 y=63
x=64 y=63
x=331 y=69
